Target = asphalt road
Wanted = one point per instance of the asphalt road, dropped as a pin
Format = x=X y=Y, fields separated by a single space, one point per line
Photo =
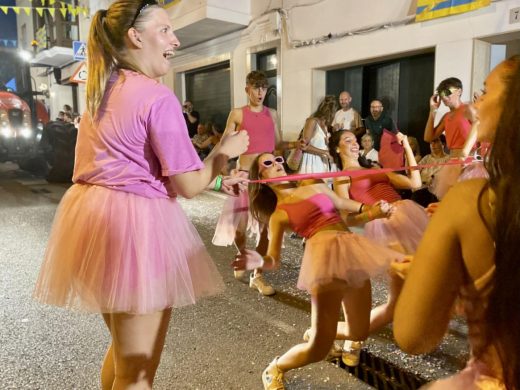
x=223 y=342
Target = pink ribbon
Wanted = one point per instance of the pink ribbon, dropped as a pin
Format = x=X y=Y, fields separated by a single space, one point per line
x=361 y=172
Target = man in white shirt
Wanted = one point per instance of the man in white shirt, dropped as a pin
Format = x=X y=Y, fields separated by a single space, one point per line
x=347 y=118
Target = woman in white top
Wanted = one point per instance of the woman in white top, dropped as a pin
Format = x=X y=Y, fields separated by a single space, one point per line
x=316 y=157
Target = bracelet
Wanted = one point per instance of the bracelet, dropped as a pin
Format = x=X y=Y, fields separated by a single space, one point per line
x=361 y=208
x=218 y=183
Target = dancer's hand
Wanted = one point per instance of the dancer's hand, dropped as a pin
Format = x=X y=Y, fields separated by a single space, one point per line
x=381 y=209
x=233 y=185
x=250 y=260
x=402 y=139
x=435 y=102
x=432 y=208
x=401 y=267
x=234 y=143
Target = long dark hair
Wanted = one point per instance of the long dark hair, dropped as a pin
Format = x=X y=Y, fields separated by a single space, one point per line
x=333 y=146
x=326 y=109
x=503 y=311
x=262 y=199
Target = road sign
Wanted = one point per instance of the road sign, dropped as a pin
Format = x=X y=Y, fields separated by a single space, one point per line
x=80 y=75
x=80 y=50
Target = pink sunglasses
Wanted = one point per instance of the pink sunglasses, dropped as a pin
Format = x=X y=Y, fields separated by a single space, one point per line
x=277 y=159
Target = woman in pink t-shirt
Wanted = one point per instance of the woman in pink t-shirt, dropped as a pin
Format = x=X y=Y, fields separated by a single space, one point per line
x=121 y=244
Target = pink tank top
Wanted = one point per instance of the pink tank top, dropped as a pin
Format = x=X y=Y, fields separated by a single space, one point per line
x=260 y=127
x=456 y=128
x=308 y=216
x=372 y=188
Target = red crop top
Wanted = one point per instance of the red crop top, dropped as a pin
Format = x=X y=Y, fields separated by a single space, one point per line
x=307 y=216
x=260 y=128
x=372 y=188
x=456 y=128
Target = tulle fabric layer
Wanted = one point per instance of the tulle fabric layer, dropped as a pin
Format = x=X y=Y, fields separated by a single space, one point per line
x=474 y=377
x=111 y=251
x=474 y=170
x=451 y=174
x=341 y=258
x=235 y=215
x=405 y=226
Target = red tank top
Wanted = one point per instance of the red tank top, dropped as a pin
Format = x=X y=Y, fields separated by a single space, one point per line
x=372 y=188
x=457 y=128
x=309 y=215
x=260 y=127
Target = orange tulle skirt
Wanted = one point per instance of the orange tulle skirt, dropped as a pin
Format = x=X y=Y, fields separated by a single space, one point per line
x=112 y=251
x=341 y=258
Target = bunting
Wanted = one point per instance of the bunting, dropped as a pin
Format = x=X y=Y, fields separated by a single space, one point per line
x=64 y=9
x=433 y=9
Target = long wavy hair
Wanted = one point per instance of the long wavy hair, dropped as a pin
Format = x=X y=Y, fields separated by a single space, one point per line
x=107 y=48
x=262 y=199
x=333 y=146
x=503 y=312
x=326 y=109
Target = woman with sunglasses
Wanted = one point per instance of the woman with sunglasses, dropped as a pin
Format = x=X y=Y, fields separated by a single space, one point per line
x=121 y=245
x=456 y=127
x=469 y=254
x=337 y=265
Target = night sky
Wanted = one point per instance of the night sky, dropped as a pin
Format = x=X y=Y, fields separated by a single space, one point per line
x=8 y=23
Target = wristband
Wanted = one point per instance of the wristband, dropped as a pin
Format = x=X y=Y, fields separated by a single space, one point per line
x=218 y=183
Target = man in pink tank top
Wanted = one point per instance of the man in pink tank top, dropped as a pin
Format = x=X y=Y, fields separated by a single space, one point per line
x=265 y=137
x=454 y=124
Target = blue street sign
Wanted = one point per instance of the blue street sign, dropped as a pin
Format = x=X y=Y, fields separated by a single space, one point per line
x=80 y=50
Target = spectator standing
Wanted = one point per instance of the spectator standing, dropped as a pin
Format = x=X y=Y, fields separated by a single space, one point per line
x=316 y=157
x=192 y=118
x=347 y=118
x=377 y=121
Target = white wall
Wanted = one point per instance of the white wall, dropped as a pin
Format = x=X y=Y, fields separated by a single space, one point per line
x=454 y=40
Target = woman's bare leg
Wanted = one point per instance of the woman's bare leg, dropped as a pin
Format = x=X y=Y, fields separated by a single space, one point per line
x=108 y=367
x=383 y=315
x=325 y=315
x=137 y=343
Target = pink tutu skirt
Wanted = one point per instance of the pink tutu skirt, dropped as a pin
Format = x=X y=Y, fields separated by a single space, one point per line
x=475 y=170
x=475 y=376
x=405 y=226
x=341 y=258
x=451 y=174
x=112 y=251
x=235 y=215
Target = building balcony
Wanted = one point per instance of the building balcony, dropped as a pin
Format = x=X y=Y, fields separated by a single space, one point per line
x=195 y=22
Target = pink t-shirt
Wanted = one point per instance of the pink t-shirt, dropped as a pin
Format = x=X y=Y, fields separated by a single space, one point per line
x=139 y=140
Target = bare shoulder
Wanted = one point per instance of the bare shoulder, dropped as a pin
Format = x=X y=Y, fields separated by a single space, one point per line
x=273 y=112
x=461 y=201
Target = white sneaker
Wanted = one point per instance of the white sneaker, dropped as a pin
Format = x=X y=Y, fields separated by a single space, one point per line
x=261 y=285
x=272 y=377
x=351 y=352
x=239 y=274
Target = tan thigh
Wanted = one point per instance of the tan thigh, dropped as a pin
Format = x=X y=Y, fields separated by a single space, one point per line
x=137 y=342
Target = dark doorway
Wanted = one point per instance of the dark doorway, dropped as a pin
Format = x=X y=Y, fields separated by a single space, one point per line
x=208 y=89
x=267 y=62
x=404 y=85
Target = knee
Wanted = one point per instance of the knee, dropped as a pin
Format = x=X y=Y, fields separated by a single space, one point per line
x=136 y=370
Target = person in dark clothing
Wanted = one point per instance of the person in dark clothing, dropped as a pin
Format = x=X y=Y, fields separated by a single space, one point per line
x=191 y=117
x=377 y=121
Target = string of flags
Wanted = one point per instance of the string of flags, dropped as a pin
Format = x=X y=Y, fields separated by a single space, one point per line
x=63 y=9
